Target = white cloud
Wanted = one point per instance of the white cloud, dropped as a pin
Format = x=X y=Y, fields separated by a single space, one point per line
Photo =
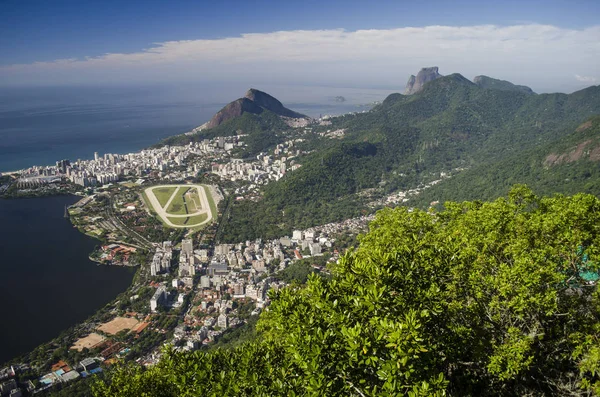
x=585 y=79
x=543 y=56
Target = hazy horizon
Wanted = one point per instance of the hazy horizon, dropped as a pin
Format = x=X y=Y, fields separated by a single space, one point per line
x=551 y=47
x=41 y=125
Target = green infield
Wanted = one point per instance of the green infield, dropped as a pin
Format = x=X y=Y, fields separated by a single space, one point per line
x=191 y=221
x=178 y=204
x=163 y=194
x=181 y=206
x=193 y=201
x=196 y=219
x=179 y=221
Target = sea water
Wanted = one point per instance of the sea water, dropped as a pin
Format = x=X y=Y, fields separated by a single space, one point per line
x=41 y=125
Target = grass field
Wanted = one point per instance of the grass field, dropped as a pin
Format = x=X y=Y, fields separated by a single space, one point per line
x=178 y=203
x=164 y=194
x=191 y=220
x=185 y=202
x=196 y=219
x=178 y=221
x=211 y=202
x=193 y=201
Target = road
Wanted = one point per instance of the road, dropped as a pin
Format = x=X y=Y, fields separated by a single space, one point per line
x=162 y=211
x=117 y=223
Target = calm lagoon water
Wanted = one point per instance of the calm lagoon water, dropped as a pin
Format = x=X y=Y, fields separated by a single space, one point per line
x=47 y=282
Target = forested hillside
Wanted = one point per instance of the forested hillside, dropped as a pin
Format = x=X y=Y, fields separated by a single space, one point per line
x=262 y=129
x=482 y=299
x=452 y=123
x=569 y=165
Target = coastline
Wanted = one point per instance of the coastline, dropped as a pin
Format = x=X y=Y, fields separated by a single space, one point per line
x=114 y=212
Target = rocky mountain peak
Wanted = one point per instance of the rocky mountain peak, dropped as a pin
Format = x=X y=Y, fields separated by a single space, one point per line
x=425 y=75
x=255 y=102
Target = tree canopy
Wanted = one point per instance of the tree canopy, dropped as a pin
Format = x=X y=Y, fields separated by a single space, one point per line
x=478 y=299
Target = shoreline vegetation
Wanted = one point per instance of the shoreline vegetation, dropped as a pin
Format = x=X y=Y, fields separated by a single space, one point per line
x=275 y=180
x=99 y=202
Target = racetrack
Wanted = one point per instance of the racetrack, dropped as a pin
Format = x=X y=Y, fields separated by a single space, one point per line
x=165 y=215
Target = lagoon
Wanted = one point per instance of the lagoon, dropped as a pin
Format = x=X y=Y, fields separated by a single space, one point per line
x=47 y=282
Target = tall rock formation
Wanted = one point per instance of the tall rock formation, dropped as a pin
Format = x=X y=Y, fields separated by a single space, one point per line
x=268 y=102
x=234 y=109
x=425 y=75
x=254 y=102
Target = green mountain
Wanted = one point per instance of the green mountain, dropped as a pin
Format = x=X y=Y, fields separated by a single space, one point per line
x=503 y=85
x=568 y=165
x=254 y=102
x=263 y=129
x=257 y=114
x=451 y=123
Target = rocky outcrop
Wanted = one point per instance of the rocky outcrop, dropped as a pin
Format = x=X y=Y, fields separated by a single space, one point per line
x=578 y=152
x=502 y=85
x=254 y=102
x=234 y=109
x=268 y=102
x=425 y=75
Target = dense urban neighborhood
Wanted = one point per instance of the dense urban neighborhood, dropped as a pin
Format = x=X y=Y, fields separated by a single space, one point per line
x=272 y=241
x=190 y=291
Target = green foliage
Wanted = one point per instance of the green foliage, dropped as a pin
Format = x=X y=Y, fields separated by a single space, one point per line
x=534 y=167
x=480 y=299
x=296 y=272
x=261 y=128
x=451 y=123
x=503 y=85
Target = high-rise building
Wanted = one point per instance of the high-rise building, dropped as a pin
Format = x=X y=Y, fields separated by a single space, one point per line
x=96 y=156
x=238 y=288
x=222 y=321
x=158 y=298
x=205 y=282
x=187 y=247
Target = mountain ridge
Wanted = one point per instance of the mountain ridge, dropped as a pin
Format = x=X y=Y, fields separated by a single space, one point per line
x=452 y=123
x=496 y=84
x=255 y=102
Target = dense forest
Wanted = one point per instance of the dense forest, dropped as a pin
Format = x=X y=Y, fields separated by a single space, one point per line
x=482 y=298
x=407 y=140
x=569 y=165
x=466 y=298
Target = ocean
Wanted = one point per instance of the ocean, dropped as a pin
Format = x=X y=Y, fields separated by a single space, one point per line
x=47 y=282
x=41 y=125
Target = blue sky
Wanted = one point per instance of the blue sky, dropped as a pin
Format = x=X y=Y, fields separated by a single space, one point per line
x=45 y=31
